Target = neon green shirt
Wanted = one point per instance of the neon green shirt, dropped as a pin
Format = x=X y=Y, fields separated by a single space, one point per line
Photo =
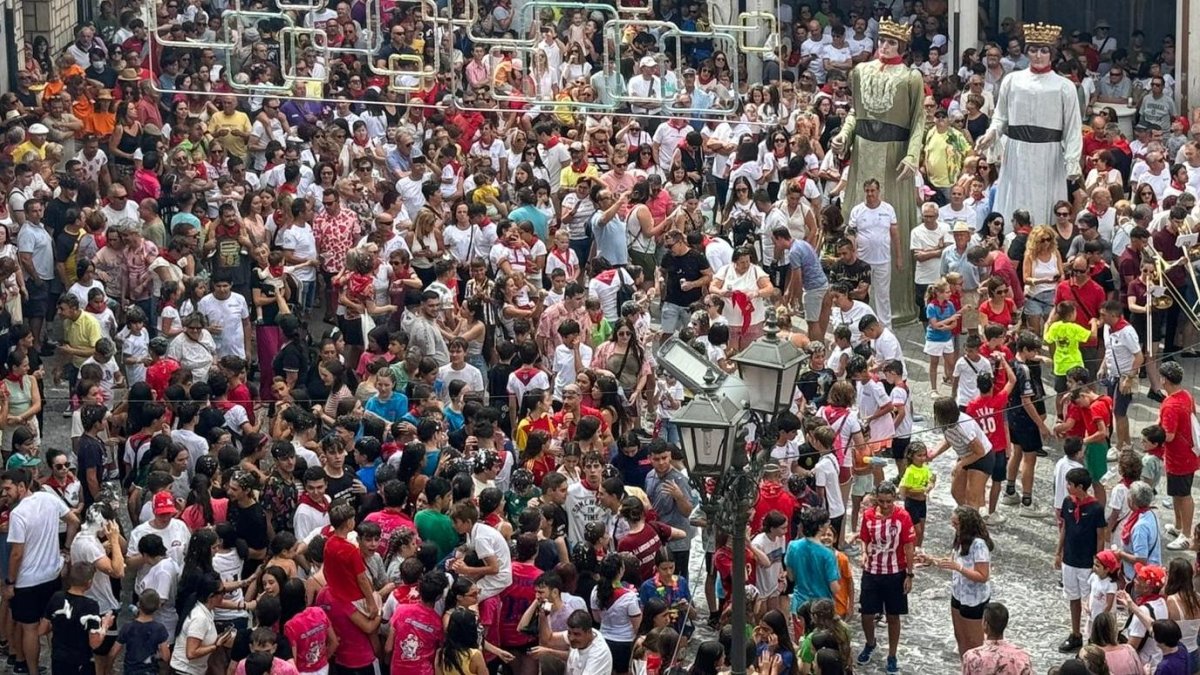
x=1066 y=338
x=916 y=478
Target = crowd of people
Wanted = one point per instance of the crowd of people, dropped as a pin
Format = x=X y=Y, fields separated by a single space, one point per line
x=360 y=358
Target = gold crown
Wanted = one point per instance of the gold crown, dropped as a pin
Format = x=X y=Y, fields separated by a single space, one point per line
x=896 y=31
x=1042 y=34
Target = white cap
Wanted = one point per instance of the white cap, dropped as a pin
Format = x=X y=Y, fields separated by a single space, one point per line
x=647 y=62
x=38 y=129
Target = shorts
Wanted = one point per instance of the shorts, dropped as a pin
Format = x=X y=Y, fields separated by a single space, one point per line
x=900 y=447
x=72 y=667
x=1000 y=466
x=37 y=304
x=883 y=594
x=1060 y=383
x=938 y=348
x=1075 y=582
x=862 y=485
x=372 y=669
x=646 y=261
x=971 y=612
x=1095 y=458
x=1025 y=435
x=110 y=639
x=916 y=509
x=814 y=301
x=1120 y=401
x=1180 y=485
x=622 y=653
x=1152 y=471
x=844 y=475
x=984 y=464
x=1039 y=304
x=29 y=604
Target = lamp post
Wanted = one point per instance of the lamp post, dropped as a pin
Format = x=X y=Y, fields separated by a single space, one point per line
x=711 y=428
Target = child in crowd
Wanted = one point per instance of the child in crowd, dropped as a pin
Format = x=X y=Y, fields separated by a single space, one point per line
x=987 y=408
x=770 y=544
x=967 y=370
x=1072 y=459
x=146 y=643
x=915 y=485
x=135 y=345
x=939 y=336
x=1154 y=441
x=902 y=412
x=843 y=602
x=1065 y=336
x=670 y=398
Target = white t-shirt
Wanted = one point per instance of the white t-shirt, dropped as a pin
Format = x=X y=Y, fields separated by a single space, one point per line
x=1099 y=590
x=34 y=523
x=307 y=519
x=926 y=272
x=228 y=314
x=163 y=577
x=617 y=621
x=1120 y=348
x=1061 y=468
x=196 y=446
x=87 y=548
x=487 y=542
x=887 y=348
x=872 y=397
x=874 y=232
x=967 y=372
x=814 y=48
x=767 y=579
x=607 y=293
x=175 y=537
x=564 y=366
x=595 y=660
x=825 y=474
x=469 y=374
x=902 y=399
x=850 y=318
x=300 y=240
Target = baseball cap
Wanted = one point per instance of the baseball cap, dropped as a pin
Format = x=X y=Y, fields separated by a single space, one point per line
x=39 y=129
x=647 y=62
x=164 y=504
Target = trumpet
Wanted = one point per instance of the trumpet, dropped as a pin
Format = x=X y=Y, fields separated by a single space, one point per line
x=1160 y=296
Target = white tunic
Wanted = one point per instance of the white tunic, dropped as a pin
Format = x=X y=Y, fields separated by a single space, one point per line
x=1034 y=176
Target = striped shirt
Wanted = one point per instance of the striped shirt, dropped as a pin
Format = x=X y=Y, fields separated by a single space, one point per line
x=885 y=538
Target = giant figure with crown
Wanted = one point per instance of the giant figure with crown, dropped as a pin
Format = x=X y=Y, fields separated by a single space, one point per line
x=885 y=132
x=1036 y=126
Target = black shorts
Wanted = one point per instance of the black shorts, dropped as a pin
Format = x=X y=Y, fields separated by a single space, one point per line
x=1000 y=467
x=1025 y=435
x=916 y=509
x=622 y=653
x=29 y=604
x=972 y=612
x=37 y=304
x=836 y=524
x=900 y=446
x=352 y=331
x=71 y=667
x=883 y=594
x=984 y=464
x=1178 y=485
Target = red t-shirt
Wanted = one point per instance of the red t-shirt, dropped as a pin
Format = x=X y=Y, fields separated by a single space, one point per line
x=1000 y=378
x=513 y=602
x=241 y=396
x=1100 y=410
x=343 y=564
x=1175 y=417
x=354 y=648
x=158 y=376
x=723 y=566
x=1004 y=317
x=643 y=544
x=308 y=633
x=418 y=631
x=988 y=411
x=1082 y=420
x=884 y=539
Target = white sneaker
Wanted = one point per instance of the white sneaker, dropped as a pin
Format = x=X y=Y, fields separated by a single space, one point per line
x=1172 y=531
x=1034 y=511
x=1181 y=543
x=995 y=518
x=1010 y=499
x=1167 y=503
x=1112 y=454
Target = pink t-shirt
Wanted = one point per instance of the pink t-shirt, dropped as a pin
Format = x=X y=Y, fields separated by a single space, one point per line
x=354 y=647
x=308 y=633
x=278 y=667
x=418 y=631
x=390 y=522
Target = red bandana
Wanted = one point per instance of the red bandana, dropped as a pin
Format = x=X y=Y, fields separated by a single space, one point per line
x=321 y=507
x=1080 y=504
x=893 y=61
x=1127 y=529
x=1040 y=71
x=13 y=377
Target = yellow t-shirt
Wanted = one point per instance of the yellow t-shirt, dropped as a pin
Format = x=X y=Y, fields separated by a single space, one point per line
x=238 y=121
x=937 y=159
x=83 y=333
x=1066 y=338
x=916 y=478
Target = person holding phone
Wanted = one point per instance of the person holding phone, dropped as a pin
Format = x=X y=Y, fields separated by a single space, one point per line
x=198 y=638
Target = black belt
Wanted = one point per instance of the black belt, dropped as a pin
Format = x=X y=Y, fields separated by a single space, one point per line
x=879 y=131
x=1031 y=134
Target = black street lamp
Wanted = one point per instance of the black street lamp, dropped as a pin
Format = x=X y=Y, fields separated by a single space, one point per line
x=712 y=429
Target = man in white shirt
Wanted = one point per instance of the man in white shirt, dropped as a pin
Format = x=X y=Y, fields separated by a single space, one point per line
x=862 y=47
x=836 y=56
x=312 y=513
x=35 y=561
x=119 y=205
x=812 y=50
x=299 y=246
x=590 y=654
x=228 y=317
x=958 y=210
x=885 y=346
x=1153 y=172
x=927 y=243
x=1123 y=360
x=459 y=369
x=571 y=356
x=647 y=87
x=875 y=226
x=847 y=312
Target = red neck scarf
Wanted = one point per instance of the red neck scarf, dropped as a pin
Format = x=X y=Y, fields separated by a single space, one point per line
x=1092 y=209
x=13 y=377
x=231 y=232
x=322 y=506
x=1119 y=326
x=892 y=61
x=1040 y=71
x=552 y=142
x=1178 y=186
x=1127 y=528
x=276 y=270
x=1081 y=503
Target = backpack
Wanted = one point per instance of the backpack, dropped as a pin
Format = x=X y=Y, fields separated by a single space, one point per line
x=625 y=292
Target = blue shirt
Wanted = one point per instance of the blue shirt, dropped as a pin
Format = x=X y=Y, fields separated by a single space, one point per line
x=366 y=474
x=814 y=568
x=803 y=257
x=938 y=312
x=391 y=410
x=610 y=239
x=649 y=589
x=541 y=224
x=1144 y=542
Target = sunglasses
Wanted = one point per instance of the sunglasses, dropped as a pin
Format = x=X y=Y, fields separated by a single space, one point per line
x=1063 y=214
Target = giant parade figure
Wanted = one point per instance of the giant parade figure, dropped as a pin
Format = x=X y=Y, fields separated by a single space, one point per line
x=885 y=132
x=1037 y=124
